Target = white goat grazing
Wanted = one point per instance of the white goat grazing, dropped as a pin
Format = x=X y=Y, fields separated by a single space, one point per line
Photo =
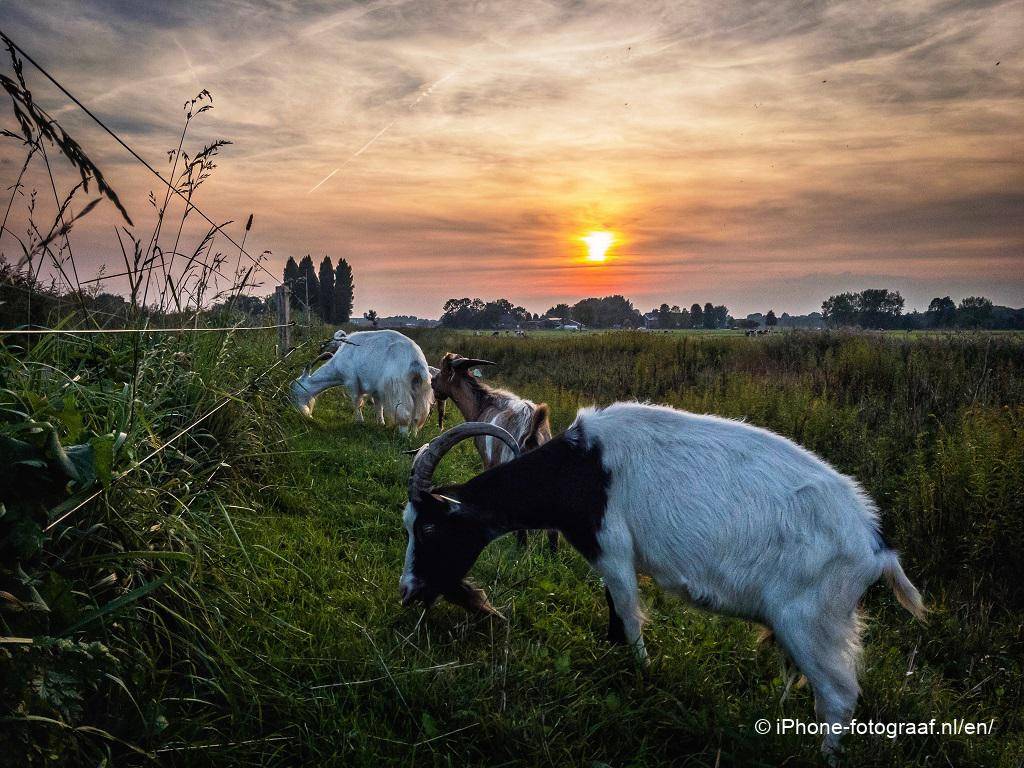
x=735 y=519
x=385 y=365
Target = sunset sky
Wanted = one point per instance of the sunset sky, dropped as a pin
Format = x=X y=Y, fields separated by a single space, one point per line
x=758 y=155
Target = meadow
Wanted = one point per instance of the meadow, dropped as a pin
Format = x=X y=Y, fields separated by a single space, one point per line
x=233 y=599
x=192 y=574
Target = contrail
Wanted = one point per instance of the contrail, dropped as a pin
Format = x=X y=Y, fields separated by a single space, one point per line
x=325 y=178
x=354 y=155
x=422 y=95
x=366 y=146
x=430 y=88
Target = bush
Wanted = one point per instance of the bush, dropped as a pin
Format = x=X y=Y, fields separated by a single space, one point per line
x=104 y=543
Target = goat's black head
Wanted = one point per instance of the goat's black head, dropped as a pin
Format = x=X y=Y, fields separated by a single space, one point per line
x=445 y=536
x=444 y=540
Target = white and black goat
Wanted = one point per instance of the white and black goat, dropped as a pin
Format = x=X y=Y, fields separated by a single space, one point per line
x=525 y=420
x=386 y=366
x=733 y=518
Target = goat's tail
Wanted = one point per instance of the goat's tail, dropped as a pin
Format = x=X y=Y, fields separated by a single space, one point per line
x=407 y=398
x=906 y=593
x=422 y=395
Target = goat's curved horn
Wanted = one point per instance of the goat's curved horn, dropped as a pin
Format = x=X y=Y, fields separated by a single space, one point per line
x=319 y=358
x=325 y=344
x=462 y=363
x=430 y=455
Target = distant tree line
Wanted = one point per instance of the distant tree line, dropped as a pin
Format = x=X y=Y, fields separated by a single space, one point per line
x=770 y=320
x=972 y=312
x=608 y=312
x=873 y=308
x=618 y=312
x=328 y=294
x=476 y=313
x=708 y=316
x=881 y=308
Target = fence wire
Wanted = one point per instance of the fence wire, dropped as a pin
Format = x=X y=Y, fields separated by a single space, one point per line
x=73 y=331
x=133 y=153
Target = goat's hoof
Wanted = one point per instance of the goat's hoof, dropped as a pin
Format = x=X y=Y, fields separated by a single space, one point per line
x=832 y=753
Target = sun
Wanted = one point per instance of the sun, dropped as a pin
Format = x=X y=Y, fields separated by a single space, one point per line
x=598 y=244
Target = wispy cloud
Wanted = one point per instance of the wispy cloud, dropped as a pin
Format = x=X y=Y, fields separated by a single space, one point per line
x=745 y=152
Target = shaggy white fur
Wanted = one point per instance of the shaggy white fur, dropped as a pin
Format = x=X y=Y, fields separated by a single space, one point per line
x=386 y=366
x=743 y=522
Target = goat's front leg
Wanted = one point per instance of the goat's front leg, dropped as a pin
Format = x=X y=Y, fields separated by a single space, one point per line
x=357 y=399
x=616 y=632
x=379 y=406
x=625 y=619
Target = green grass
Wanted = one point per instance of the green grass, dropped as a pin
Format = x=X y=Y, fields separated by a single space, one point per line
x=543 y=688
x=444 y=689
x=306 y=657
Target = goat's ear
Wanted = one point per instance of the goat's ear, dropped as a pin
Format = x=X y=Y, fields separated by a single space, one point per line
x=541 y=418
x=447 y=492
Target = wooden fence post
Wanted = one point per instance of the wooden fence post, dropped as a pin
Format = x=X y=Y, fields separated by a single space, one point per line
x=282 y=299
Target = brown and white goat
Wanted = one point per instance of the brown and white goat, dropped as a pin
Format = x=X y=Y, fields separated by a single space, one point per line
x=525 y=420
